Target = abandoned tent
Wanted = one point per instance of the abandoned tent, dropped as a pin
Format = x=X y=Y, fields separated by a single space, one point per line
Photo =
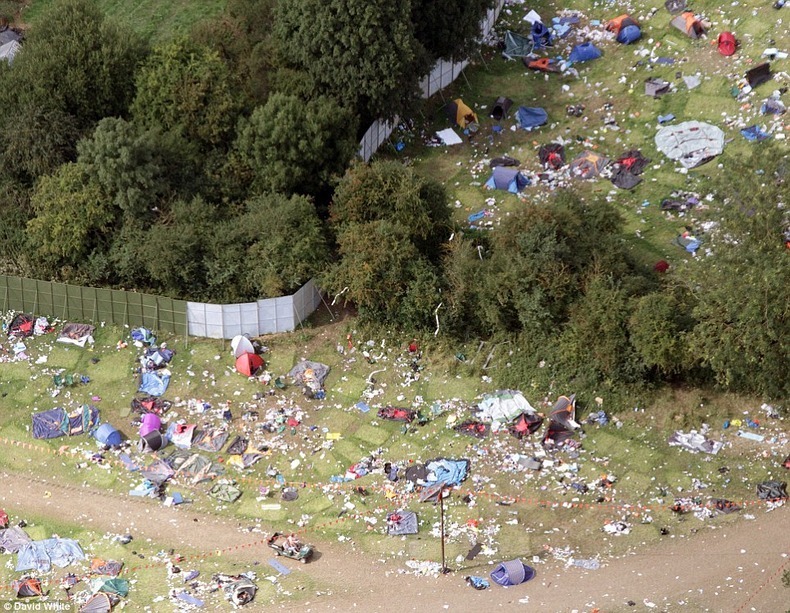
x=688 y=23
x=460 y=114
x=625 y=28
x=508 y=179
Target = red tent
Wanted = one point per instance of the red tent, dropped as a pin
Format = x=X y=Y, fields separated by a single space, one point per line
x=3 y=519
x=249 y=363
x=727 y=43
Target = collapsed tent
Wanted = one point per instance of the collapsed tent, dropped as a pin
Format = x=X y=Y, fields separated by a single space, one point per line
x=627 y=168
x=154 y=383
x=507 y=179
x=759 y=74
x=143 y=335
x=106 y=434
x=156 y=357
x=248 y=364
x=181 y=434
x=543 y=64
x=26 y=588
x=402 y=522
x=151 y=404
x=562 y=421
x=505 y=160
x=460 y=114
x=656 y=87
x=513 y=572
x=772 y=490
x=99 y=603
x=585 y=52
x=112 y=585
x=241 y=591
x=12 y=539
x=588 y=165
x=524 y=424
x=726 y=43
x=225 y=491
x=625 y=28
x=447 y=472
x=530 y=118
x=211 y=439
x=157 y=472
x=516 y=45
x=540 y=35
x=241 y=345
x=152 y=441
x=21 y=326
x=552 y=156
x=691 y=143
x=397 y=414
x=9 y=50
x=688 y=23
x=501 y=107
x=306 y=371
x=56 y=422
x=76 y=334
x=41 y=555
x=150 y=423
x=502 y=407
x=474 y=428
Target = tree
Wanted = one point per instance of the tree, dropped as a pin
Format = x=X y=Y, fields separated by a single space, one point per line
x=741 y=290
x=293 y=146
x=359 y=52
x=448 y=29
x=187 y=89
x=71 y=220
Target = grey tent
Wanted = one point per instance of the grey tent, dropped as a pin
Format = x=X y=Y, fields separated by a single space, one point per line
x=691 y=143
x=588 y=165
x=656 y=87
x=157 y=472
x=320 y=371
x=241 y=591
x=402 y=522
x=516 y=45
x=99 y=603
x=501 y=107
x=152 y=441
x=12 y=539
x=9 y=50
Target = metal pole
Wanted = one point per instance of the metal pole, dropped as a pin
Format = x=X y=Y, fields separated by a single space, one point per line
x=441 y=515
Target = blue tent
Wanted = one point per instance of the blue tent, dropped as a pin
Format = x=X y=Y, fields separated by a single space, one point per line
x=107 y=435
x=56 y=422
x=541 y=36
x=509 y=179
x=154 y=383
x=512 y=572
x=584 y=53
x=629 y=34
x=530 y=117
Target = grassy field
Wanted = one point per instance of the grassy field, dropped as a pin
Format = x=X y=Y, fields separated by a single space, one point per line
x=155 y=20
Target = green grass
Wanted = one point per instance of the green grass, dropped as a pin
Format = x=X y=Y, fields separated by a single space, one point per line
x=155 y=20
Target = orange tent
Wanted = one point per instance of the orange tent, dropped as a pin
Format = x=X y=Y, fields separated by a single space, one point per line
x=686 y=22
x=248 y=364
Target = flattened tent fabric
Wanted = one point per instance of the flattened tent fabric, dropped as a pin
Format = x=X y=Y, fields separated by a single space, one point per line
x=106 y=434
x=543 y=64
x=99 y=603
x=154 y=383
x=110 y=586
x=505 y=160
x=513 y=572
x=397 y=414
x=448 y=472
x=56 y=422
x=41 y=555
x=625 y=28
x=524 y=424
x=501 y=107
x=402 y=522
x=76 y=334
x=552 y=156
x=502 y=407
x=585 y=52
x=158 y=472
x=516 y=45
x=541 y=35
x=759 y=74
x=588 y=165
x=691 y=143
x=21 y=326
x=688 y=23
x=241 y=592
x=473 y=428
x=27 y=587
x=181 y=434
x=656 y=87
x=248 y=364
x=150 y=423
x=726 y=43
x=12 y=539
x=562 y=421
x=530 y=117
x=151 y=404
x=241 y=345
x=319 y=372
x=460 y=114
x=211 y=440
x=143 y=335
x=508 y=179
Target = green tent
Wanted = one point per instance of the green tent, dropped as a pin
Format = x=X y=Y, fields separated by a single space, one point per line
x=111 y=586
x=516 y=45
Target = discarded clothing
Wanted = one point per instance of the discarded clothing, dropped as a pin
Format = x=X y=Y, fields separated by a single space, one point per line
x=695 y=442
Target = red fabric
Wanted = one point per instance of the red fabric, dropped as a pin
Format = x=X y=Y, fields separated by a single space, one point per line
x=727 y=43
x=3 y=519
x=661 y=266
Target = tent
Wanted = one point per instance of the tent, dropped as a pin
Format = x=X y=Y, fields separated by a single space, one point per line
x=474 y=428
x=402 y=522
x=691 y=143
x=531 y=117
x=157 y=472
x=448 y=472
x=76 y=334
x=588 y=165
x=688 y=23
x=12 y=539
x=552 y=156
x=759 y=74
x=627 y=168
x=524 y=424
x=150 y=423
x=110 y=586
x=543 y=64
x=211 y=439
x=306 y=371
x=513 y=572
x=25 y=588
x=540 y=35
x=397 y=414
x=516 y=45
x=56 y=422
x=241 y=591
x=625 y=28
x=248 y=364
x=21 y=326
x=460 y=114
x=153 y=441
x=501 y=107
x=562 y=421
x=99 y=603
x=143 y=335
x=150 y=404
x=154 y=383
x=584 y=53
x=181 y=434
x=656 y=87
x=9 y=50
x=241 y=345
x=41 y=555
x=503 y=406
x=727 y=43
x=106 y=434
x=508 y=179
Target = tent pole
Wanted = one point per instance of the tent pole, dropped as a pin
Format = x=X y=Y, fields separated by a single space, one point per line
x=441 y=515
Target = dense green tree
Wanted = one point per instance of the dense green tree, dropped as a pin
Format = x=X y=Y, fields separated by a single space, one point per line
x=361 y=52
x=72 y=219
x=293 y=146
x=448 y=29
x=187 y=89
x=741 y=289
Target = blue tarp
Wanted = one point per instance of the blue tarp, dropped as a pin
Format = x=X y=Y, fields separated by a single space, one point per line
x=449 y=472
x=41 y=555
x=107 y=435
x=629 y=34
x=509 y=179
x=584 y=53
x=754 y=133
x=154 y=383
x=144 y=335
x=56 y=422
x=530 y=117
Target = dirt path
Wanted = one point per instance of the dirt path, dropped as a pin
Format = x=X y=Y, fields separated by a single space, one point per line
x=717 y=570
